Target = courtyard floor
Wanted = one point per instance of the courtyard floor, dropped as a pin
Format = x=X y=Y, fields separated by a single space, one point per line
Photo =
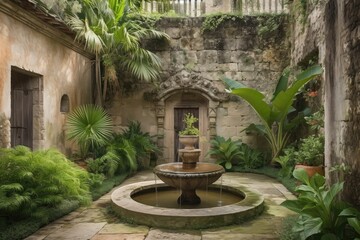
x=96 y=222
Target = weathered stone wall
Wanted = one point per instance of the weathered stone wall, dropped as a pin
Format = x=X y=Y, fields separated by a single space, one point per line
x=333 y=33
x=36 y=48
x=195 y=61
x=342 y=24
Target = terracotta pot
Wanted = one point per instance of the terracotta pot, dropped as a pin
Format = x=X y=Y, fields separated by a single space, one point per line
x=311 y=170
x=189 y=141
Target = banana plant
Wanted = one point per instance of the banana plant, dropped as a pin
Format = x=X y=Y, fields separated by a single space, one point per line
x=273 y=114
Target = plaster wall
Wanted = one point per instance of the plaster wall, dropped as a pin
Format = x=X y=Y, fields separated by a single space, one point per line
x=195 y=61
x=59 y=69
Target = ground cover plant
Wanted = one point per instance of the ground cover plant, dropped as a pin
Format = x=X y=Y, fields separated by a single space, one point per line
x=37 y=187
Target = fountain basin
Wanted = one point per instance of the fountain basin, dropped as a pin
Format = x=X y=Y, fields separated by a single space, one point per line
x=188 y=179
x=130 y=210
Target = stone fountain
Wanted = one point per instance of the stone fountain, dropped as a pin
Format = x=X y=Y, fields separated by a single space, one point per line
x=190 y=212
x=189 y=174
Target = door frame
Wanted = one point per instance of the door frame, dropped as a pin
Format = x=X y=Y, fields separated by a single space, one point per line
x=34 y=83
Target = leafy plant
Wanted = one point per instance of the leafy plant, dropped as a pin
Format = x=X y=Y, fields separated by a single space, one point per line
x=286 y=161
x=89 y=126
x=322 y=214
x=316 y=120
x=311 y=151
x=190 y=129
x=140 y=140
x=225 y=151
x=276 y=127
x=251 y=158
x=122 y=150
x=32 y=182
x=106 y=165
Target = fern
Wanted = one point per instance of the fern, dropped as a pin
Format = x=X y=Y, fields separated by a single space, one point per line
x=31 y=182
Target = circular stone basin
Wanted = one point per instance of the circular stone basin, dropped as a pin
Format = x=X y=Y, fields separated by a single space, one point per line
x=130 y=210
x=201 y=175
x=166 y=197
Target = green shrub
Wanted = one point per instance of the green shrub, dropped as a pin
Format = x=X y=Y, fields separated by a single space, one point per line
x=141 y=141
x=32 y=182
x=286 y=161
x=226 y=152
x=251 y=158
x=311 y=151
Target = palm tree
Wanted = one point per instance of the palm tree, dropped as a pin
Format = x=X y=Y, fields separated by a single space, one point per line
x=110 y=33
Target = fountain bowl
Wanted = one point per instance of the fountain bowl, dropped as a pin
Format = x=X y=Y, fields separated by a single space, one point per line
x=132 y=211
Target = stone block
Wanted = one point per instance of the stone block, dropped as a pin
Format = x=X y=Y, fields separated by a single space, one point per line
x=197 y=44
x=207 y=56
x=214 y=44
x=230 y=44
x=185 y=43
x=174 y=33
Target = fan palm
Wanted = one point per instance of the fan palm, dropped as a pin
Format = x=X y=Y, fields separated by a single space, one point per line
x=110 y=33
x=89 y=126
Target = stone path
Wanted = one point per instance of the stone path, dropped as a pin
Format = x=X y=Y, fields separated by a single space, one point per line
x=97 y=223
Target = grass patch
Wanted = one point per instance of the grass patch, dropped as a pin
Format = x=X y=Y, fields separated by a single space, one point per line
x=26 y=227
x=107 y=185
x=289 y=183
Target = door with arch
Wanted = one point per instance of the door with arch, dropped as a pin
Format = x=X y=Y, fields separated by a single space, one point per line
x=179 y=114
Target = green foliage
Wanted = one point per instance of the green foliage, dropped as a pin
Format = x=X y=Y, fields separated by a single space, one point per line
x=32 y=182
x=316 y=120
x=276 y=127
x=287 y=161
x=99 y=190
x=212 y=22
x=90 y=127
x=141 y=141
x=321 y=214
x=311 y=151
x=269 y=24
x=190 y=129
x=225 y=151
x=21 y=229
x=123 y=152
x=285 y=231
x=106 y=165
x=95 y=180
x=251 y=158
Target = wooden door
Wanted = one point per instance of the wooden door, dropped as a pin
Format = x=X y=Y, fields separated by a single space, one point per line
x=179 y=125
x=21 y=111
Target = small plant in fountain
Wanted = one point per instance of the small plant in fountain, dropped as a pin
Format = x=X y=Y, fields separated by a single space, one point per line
x=190 y=129
x=276 y=125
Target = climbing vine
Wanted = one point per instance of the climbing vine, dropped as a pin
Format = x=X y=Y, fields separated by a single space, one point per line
x=213 y=21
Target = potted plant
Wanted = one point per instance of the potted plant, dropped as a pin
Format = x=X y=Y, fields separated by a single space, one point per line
x=310 y=155
x=190 y=135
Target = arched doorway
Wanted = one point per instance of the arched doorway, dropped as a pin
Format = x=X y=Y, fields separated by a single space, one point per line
x=176 y=106
x=186 y=89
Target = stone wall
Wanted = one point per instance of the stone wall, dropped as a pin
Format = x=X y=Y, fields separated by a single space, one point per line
x=342 y=24
x=333 y=33
x=194 y=61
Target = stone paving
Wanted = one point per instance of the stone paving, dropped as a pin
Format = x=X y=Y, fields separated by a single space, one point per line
x=97 y=223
